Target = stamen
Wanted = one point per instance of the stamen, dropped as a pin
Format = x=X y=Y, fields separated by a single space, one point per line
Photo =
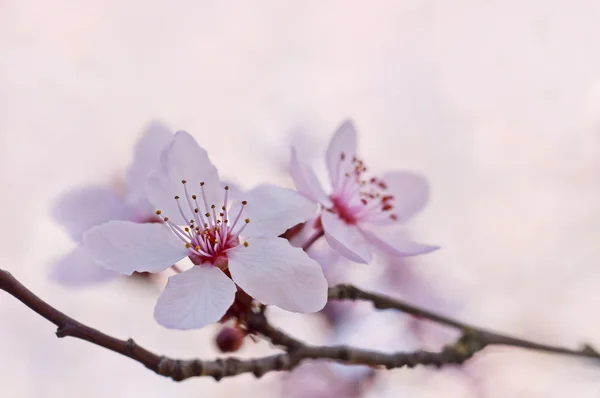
x=224 y=208
x=176 y=230
x=244 y=203
x=247 y=221
x=214 y=214
x=187 y=197
x=204 y=196
x=180 y=209
x=197 y=250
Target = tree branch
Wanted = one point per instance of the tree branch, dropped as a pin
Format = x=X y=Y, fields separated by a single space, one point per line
x=471 y=341
x=483 y=336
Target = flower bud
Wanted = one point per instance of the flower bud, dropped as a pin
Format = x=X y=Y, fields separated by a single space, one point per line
x=229 y=339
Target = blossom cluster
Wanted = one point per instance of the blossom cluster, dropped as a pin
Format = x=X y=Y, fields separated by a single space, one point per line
x=174 y=205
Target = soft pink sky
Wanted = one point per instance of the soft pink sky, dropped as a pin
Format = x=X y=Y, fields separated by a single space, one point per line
x=497 y=102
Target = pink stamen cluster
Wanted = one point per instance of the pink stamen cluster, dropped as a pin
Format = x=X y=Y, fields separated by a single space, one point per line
x=208 y=234
x=358 y=198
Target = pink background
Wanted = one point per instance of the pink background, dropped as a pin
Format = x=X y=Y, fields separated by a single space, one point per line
x=497 y=102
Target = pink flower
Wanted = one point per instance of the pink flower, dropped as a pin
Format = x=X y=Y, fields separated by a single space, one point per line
x=230 y=237
x=86 y=207
x=359 y=211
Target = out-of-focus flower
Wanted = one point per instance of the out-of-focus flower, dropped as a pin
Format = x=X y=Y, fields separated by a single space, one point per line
x=322 y=380
x=358 y=210
x=229 y=236
x=83 y=208
x=378 y=331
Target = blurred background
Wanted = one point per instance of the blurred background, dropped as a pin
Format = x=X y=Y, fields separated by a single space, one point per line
x=496 y=102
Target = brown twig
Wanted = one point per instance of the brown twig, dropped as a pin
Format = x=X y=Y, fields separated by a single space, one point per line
x=471 y=341
x=483 y=336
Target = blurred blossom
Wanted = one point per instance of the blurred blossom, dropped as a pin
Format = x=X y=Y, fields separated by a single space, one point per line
x=381 y=331
x=403 y=279
x=359 y=208
x=85 y=207
x=231 y=239
x=321 y=380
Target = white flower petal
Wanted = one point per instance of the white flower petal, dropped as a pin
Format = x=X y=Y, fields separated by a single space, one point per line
x=346 y=239
x=148 y=149
x=274 y=272
x=182 y=160
x=306 y=181
x=410 y=191
x=195 y=298
x=125 y=247
x=395 y=242
x=272 y=210
x=81 y=209
x=342 y=142
x=79 y=269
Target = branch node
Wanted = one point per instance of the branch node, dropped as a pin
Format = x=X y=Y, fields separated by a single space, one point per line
x=589 y=350
x=198 y=367
x=257 y=370
x=282 y=362
x=130 y=345
x=65 y=330
x=220 y=372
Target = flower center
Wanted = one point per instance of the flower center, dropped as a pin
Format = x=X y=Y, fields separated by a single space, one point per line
x=208 y=233
x=356 y=197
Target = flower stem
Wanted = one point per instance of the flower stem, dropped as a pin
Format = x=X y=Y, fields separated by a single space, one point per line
x=176 y=269
x=314 y=237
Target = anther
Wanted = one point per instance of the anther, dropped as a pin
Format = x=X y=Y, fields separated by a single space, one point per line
x=158 y=212
x=183 y=181
x=166 y=219
x=176 y=197
x=202 y=184
x=212 y=206
x=226 y=187
x=244 y=202
x=196 y=210
x=207 y=215
x=245 y=244
x=187 y=245
x=247 y=220
x=194 y=197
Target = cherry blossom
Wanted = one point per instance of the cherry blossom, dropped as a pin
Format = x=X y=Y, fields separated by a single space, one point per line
x=83 y=208
x=230 y=237
x=362 y=212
